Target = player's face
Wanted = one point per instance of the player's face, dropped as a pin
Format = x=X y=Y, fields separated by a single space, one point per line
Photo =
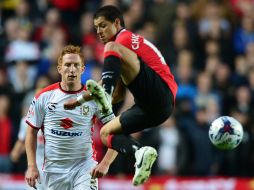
x=105 y=29
x=71 y=69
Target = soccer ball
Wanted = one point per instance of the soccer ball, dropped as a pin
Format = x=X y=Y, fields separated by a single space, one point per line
x=226 y=133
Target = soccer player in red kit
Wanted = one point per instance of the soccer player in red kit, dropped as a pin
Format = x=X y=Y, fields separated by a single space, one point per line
x=143 y=70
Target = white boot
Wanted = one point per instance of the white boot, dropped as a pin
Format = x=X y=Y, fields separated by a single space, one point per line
x=145 y=158
x=99 y=95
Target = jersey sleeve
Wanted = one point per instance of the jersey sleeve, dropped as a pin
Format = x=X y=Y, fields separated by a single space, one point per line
x=36 y=113
x=22 y=129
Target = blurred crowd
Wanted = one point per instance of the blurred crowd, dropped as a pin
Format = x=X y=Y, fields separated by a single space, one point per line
x=208 y=44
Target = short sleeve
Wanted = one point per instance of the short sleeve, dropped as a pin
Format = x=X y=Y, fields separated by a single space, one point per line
x=36 y=113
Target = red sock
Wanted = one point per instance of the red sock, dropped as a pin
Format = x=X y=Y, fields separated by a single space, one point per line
x=109 y=141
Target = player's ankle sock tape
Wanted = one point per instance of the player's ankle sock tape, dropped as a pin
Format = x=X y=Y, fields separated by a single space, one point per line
x=111 y=72
x=124 y=144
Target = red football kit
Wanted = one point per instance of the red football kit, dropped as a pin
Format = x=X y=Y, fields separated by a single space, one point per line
x=149 y=54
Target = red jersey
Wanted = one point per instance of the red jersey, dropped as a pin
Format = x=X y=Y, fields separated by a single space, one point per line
x=149 y=54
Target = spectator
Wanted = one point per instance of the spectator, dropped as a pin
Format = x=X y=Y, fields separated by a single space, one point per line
x=204 y=156
x=162 y=12
x=244 y=35
x=185 y=75
x=8 y=35
x=22 y=14
x=22 y=76
x=52 y=22
x=251 y=81
x=249 y=54
x=211 y=64
x=179 y=41
x=204 y=90
x=5 y=135
x=241 y=68
x=213 y=23
x=169 y=141
x=92 y=66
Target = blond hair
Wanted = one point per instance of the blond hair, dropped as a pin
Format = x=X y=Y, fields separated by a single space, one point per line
x=70 y=49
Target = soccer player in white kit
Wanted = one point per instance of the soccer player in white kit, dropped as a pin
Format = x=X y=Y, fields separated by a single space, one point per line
x=69 y=155
x=19 y=147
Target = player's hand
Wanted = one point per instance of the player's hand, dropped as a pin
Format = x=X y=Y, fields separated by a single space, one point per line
x=32 y=174
x=100 y=170
x=71 y=104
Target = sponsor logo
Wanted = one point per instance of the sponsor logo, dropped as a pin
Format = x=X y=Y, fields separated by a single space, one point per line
x=66 y=133
x=66 y=123
x=51 y=106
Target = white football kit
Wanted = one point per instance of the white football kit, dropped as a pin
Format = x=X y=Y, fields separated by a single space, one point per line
x=68 y=138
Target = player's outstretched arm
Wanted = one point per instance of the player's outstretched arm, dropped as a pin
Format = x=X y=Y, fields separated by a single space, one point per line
x=73 y=103
x=102 y=168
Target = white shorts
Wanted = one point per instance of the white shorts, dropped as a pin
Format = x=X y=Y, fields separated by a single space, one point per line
x=79 y=178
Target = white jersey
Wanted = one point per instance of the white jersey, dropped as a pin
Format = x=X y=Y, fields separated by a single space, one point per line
x=67 y=133
x=40 y=142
